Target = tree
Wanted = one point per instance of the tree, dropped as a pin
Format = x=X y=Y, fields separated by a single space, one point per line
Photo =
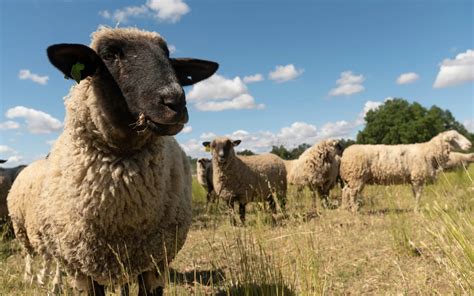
x=399 y=122
x=245 y=152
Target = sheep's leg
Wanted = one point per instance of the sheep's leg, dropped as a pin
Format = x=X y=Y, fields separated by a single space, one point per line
x=150 y=284
x=45 y=270
x=417 y=189
x=57 y=280
x=94 y=288
x=125 y=290
x=242 y=213
x=230 y=203
x=323 y=196
x=349 y=196
x=28 y=276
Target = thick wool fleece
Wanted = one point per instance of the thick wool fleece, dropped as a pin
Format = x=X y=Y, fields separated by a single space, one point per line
x=317 y=167
x=250 y=178
x=95 y=211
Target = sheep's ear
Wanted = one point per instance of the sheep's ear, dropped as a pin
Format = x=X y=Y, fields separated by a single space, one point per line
x=2 y=161
x=76 y=61
x=206 y=144
x=190 y=71
x=236 y=142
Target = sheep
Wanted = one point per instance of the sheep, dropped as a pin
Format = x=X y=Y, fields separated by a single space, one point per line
x=112 y=201
x=245 y=179
x=204 y=177
x=317 y=168
x=415 y=164
x=458 y=160
x=7 y=176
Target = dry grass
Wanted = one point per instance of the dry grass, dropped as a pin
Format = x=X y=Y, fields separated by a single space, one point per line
x=384 y=249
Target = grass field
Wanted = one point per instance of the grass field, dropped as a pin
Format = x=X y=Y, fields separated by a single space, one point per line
x=384 y=249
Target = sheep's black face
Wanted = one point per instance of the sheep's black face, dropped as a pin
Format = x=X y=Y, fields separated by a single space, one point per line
x=141 y=84
x=222 y=149
x=147 y=80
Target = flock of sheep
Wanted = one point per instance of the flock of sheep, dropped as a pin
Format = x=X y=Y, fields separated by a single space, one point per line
x=115 y=190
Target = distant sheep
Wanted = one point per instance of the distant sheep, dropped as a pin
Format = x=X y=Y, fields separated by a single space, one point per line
x=115 y=191
x=459 y=160
x=317 y=168
x=415 y=164
x=7 y=176
x=245 y=179
x=204 y=177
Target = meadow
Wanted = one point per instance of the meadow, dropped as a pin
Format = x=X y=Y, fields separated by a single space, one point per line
x=386 y=248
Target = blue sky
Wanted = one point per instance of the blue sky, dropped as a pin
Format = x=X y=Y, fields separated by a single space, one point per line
x=291 y=72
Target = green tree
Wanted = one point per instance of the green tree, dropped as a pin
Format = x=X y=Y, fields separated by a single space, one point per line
x=399 y=122
x=245 y=152
x=281 y=151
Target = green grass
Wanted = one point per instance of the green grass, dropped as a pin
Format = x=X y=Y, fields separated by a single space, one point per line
x=384 y=249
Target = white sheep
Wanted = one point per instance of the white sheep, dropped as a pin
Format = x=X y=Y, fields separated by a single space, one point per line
x=204 y=177
x=245 y=179
x=113 y=200
x=415 y=164
x=458 y=160
x=317 y=168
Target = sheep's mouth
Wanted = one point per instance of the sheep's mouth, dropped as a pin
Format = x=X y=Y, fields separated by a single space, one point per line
x=163 y=121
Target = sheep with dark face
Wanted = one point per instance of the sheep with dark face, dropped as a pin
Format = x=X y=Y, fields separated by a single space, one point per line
x=115 y=191
x=415 y=164
x=7 y=176
x=245 y=179
x=204 y=177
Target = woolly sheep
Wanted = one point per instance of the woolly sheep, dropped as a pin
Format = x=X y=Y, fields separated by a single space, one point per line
x=7 y=176
x=115 y=191
x=204 y=176
x=317 y=168
x=458 y=160
x=415 y=164
x=245 y=179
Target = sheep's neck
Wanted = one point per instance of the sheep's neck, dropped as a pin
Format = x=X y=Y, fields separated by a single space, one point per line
x=438 y=151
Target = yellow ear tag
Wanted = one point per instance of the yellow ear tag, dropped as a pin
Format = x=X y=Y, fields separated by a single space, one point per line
x=208 y=149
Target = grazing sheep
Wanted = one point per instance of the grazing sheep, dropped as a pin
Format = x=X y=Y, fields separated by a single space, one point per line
x=396 y=164
x=317 y=168
x=245 y=179
x=204 y=177
x=112 y=201
x=458 y=160
x=7 y=176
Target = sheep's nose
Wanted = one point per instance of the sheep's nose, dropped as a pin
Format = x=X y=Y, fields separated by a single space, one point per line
x=176 y=102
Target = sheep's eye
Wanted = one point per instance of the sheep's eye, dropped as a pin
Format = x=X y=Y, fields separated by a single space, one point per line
x=111 y=53
x=109 y=56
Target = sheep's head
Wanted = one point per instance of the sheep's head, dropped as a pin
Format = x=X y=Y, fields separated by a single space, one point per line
x=456 y=140
x=132 y=69
x=203 y=163
x=222 y=148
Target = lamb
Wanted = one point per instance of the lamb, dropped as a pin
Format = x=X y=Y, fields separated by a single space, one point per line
x=458 y=160
x=115 y=191
x=317 y=168
x=245 y=179
x=204 y=177
x=7 y=176
x=415 y=164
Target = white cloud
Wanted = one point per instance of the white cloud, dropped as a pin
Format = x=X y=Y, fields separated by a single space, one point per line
x=27 y=75
x=14 y=160
x=161 y=10
x=407 y=78
x=285 y=73
x=469 y=125
x=5 y=149
x=253 y=78
x=9 y=125
x=244 y=101
x=38 y=122
x=457 y=71
x=51 y=142
x=217 y=87
x=348 y=84
x=219 y=93
x=187 y=129
x=369 y=105
x=172 y=48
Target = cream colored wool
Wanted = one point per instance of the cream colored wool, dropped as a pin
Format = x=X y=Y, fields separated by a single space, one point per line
x=459 y=160
x=415 y=164
x=317 y=168
x=97 y=212
x=249 y=178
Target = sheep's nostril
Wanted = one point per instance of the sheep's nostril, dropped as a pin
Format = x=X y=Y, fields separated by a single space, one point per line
x=175 y=103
